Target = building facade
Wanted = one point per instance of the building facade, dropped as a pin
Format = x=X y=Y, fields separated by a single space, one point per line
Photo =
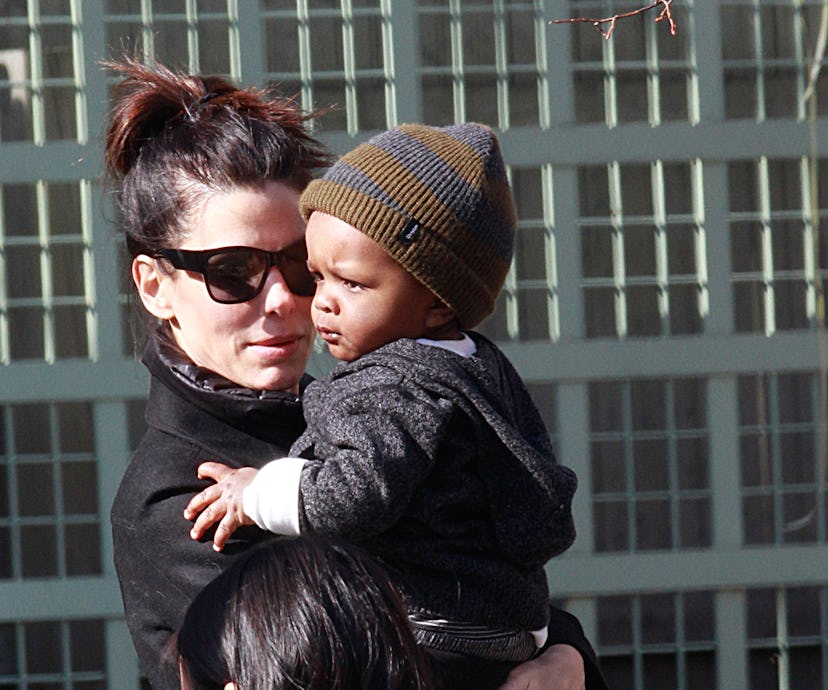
x=666 y=302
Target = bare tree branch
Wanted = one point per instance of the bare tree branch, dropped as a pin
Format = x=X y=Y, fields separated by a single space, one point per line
x=666 y=13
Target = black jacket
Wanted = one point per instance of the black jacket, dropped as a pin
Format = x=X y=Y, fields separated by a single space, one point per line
x=440 y=465
x=194 y=415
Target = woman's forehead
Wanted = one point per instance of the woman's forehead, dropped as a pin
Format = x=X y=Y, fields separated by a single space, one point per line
x=266 y=217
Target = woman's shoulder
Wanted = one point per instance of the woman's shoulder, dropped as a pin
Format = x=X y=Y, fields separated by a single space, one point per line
x=162 y=466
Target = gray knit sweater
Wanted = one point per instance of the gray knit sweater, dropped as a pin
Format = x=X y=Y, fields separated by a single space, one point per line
x=441 y=465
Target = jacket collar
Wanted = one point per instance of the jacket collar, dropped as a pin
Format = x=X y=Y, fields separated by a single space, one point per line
x=273 y=416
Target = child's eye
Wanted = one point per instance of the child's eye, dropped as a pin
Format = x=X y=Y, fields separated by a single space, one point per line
x=317 y=277
x=351 y=284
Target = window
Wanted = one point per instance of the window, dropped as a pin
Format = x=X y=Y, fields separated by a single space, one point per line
x=765 y=60
x=777 y=264
x=787 y=637
x=658 y=641
x=40 y=92
x=484 y=62
x=53 y=654
x=193 y=36
x=47 y=306
x=527 y=308
x=644 y=75
x=642 y=250
x=336 y=56
x=50 y=522
x=782 y=488
x=649 y=465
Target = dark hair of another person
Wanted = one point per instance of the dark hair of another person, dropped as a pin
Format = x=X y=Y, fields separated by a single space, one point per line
x=305 y=612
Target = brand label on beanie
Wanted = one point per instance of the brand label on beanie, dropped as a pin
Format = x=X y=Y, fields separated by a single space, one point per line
x=410 y=232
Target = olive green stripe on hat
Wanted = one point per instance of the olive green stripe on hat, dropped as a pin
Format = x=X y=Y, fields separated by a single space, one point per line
x=437 y=200
x=483 y=169
x=466 y=173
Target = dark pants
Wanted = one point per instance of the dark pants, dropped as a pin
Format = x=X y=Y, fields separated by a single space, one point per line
x=457 y=672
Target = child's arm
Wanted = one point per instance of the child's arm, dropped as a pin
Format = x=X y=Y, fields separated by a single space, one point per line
x=380 y=444
x=220 y=502
x=268 y=497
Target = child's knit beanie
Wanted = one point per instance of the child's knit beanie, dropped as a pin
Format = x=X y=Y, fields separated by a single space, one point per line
x=437 y=200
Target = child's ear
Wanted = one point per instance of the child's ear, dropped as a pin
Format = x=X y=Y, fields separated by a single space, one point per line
x=439 y=315
x=154 y=285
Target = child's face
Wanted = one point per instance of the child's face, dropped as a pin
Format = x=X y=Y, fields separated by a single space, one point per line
x=364 y=299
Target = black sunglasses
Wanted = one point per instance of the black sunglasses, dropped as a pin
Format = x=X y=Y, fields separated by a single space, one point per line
x=237 y=274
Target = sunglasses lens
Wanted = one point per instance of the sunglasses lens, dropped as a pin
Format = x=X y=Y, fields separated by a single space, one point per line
x=293 y=265
x=236 y=275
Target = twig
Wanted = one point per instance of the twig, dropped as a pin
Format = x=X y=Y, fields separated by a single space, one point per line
x=666 y=13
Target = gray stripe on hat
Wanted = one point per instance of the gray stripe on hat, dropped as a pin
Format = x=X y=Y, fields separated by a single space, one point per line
x=346 y=174
x=441 y=179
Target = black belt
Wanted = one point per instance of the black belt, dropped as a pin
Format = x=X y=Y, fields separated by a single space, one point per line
x=473 y=640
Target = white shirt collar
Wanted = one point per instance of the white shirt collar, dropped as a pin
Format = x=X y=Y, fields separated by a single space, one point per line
x=465 y=347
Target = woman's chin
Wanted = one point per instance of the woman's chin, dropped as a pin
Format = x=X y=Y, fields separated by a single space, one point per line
x=281 y=379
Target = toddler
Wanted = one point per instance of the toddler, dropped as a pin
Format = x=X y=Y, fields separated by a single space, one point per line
x=423 y=444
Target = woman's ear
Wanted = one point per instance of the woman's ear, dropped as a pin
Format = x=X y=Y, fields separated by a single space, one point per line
x=154 y=285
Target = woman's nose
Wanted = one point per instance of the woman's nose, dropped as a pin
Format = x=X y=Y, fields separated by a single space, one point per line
x=278 y=297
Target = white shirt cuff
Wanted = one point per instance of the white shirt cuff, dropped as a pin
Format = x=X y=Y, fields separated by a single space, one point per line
x=271 y=500
x=540 y=636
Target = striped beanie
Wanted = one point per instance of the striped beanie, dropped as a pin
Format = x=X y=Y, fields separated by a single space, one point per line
x=437 y=200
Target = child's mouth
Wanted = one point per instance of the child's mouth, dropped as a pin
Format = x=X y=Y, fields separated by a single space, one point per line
x=327 y=334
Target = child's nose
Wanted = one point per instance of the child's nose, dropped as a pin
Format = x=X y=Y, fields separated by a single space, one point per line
x=322 y=301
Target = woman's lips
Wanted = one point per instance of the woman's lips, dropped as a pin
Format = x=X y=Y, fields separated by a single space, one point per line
x=278 y=347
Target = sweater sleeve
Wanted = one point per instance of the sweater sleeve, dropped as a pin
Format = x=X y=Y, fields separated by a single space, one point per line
x=373 y=438
x=271 y=500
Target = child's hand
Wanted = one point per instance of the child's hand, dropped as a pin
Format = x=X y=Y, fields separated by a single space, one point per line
x=221 y=502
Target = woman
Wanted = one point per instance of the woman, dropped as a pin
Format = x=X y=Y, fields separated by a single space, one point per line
x=202 y=166
x=335 y=622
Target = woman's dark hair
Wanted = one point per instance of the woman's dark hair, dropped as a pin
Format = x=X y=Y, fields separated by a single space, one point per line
x=174 y=138
x=306 y=612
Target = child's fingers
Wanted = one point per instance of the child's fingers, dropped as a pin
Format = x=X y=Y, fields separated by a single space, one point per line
x=209 y=516
x=225 y=529
x=202 y=500
x=213 y=470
